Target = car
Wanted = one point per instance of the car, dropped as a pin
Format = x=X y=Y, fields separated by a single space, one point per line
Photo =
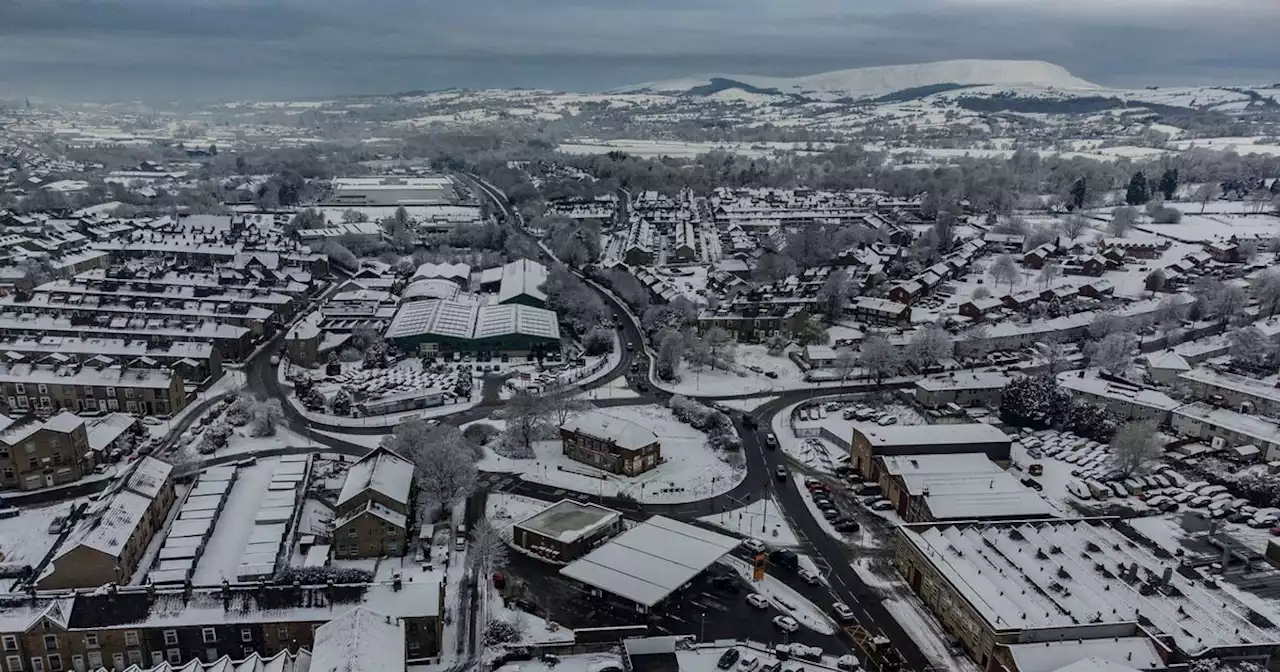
x=771 y=666
x=725 y=583
x=1118 y=489
x=786 y=623
x=755 y=545
x=1212 y=491
x=847 y=663
x=770 y=441
x=882 y=505
x=809 y=577
x=846 y=525
x=770 y=374
x=748 y=663
x=275 y=360
x=830 y=514
x=1036 y=469
x=1183 y=497
x=887 y=420
x=1238 y=517
x=1199 y=502
x=780 y=473
x=810 y=482
x=1169 y=506
x=460 y=543
x=1263 y=521
x=842 y=611
x=631 y=346
x=727 y=659
x=871 y=499
x=757 y=600
x=1032 y=483
x=1157 y=501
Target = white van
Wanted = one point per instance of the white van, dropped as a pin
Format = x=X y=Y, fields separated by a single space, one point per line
x=1098 y=490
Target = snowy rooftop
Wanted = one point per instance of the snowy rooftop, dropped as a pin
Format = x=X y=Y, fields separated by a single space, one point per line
x=966 y=498
x=568 y=520
x=1135 y=652
x=517 y=319
x=649 y=561
x=1087 y=381
x=1053 y=574
x=148 y=476
x=1169 y=360
x=964 y=380
x=522 y=276
x=967 y=463
x=1232 y=382
x=381 y=471
x=109 y=528
x=916 y=435
x=622 y=432
x=1252 y=426
x=359 y=640
x=283 y=661
x=109 y=376
x=16 y=431
x=111 y=347
x=105 y=430
x=465 y=320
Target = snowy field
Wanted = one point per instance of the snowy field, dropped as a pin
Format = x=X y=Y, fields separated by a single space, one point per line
x=239 y=443
x=761 y=519
x=614 y=389
x=743 y=379
x=1212 y=226
x=690 y=470
x=928 y=634
x=747 y=405
x=25 y=538
x=676 y=149
x=783 y=598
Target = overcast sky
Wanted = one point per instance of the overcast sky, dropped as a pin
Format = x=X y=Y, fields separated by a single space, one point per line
x=210 y=49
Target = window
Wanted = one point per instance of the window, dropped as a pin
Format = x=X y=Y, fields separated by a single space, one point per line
x=131 y=638
x=14 y=663
x=45 y=403
x=10 y=641
x=95 y=659
x=131 y=406
x=111 y=391
x=283 y=632
x=88 y=389
x=55 y=662
x=352 y=533
x=23 y=403
x=135 y=657
x=247 y=651
x=113 y=405
x=117 y=661
x=208 y=635
x=174 y=656
x=8 y=473
x=44 y=389
x=170 y=637
x=50 y=642
x=128 y=393
x=246 y=635
x=210 y=655
x=37 y=664
x=91 y=640
x=20 y=388
x=4 y=453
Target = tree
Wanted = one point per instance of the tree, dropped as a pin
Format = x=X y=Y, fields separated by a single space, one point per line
x=1210 y=191
x=980 y=293
x=1251 y=346
x=354 y=216
x=340 y=255
x=487 y=550
x=929 y=346
x=375 y=355
x=811 y=332
x=975 y=342
x=1112 y=353
x=1169 y=312
x=444 y=465
x=1049 y=273
x=1104 y=324
x=670 y=352
x=1154 y=281
x=1137 y=193
x=846 y=363
x=598 y=341
x=944 y=226
x=834 y=295
x=1229 y=303
x=306 y=219
x=776 y=344
x=1005 y=269
x=562 y=403
x=1123 y=219
x=526 y=414
x=772 y=267
x=1073 y=225
x=1135 y=446
x=1266 y=288
x=267 y=416
x=1247 y=250
x=1169 y=183
x=1053 y=352
x=1033 y=401
x=1079 y=194
x=721 y=348
x=342 y=402
x=878 y=357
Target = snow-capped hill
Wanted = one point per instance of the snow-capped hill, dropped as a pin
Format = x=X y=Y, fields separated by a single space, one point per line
x=866 y=83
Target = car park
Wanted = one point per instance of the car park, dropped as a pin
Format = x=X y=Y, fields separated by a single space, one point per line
x=786 y=623
x=757 y=600
x=748 y=663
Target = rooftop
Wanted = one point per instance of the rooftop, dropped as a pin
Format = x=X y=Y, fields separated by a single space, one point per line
x=359 y=640
x=522 y=277
x=966 y=463
x=568 y=520
x=1135 y=652
x=381 y=471
x=912 y=435
x=964 y=380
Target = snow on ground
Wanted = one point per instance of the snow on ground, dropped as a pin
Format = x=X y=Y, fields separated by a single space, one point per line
x=504 y=510
x=928 y=634
x=614 y=389
x=231 y=379
x=782 y=597
x=370 y=441
x=873 y=579
x=239 y=443
x=25 y=538
x=690 y=470
x=584 y=662
x=534 y=629
x=742 y=379
x=761 y=519
x=748 y=404
x=1209 y=226
x=234 y=525
x=1238 y=145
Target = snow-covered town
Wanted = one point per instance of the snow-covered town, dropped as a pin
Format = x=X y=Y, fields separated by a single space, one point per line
x=940 y=367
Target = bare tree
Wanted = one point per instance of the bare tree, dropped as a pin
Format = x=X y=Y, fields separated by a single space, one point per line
x=1105 y=323
x=1113 y=352
x=1049 y=273
x=1252 y=346
x=1230 y=303
x=444 y=465
x=1074 y=225
x=670 y=352
x=1135 y=447
x=879 y=358
x=1266 y=288
x=1169 y=313
x=846 y=363
x=1210 y=191
x=1053 y=352
x=563 y=403
x=1247 y=250
x=928 y=346
x=974 y=342
x=526 y=415
x=721 y=348
x=1123 y=219
x=487 y=551
x=834 y=295
x=1005 y=269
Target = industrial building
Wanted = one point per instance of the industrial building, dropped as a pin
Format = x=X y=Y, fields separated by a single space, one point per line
x=1013 y=592
x=566 y=530
x=872 y=441
x=441 y=326
x=962 y=486
x=392 y=191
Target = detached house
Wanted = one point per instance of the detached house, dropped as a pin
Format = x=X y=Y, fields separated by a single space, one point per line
x=371 y=517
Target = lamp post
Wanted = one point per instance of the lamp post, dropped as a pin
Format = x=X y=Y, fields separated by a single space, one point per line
x=702 y=628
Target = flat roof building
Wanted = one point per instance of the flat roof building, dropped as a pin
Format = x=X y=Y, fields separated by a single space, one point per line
x=871 y=441
x=566 y=530
x=392 y=190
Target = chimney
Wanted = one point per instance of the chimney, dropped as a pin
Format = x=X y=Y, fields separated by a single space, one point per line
x=1168 y=574
x=396 y=583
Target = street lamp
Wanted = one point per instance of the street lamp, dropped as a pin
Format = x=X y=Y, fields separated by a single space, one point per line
x=702 y=628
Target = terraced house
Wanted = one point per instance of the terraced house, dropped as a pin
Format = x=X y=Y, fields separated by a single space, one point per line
x=371 y=518
x=38 y=453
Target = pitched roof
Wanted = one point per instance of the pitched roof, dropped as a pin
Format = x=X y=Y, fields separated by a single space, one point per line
x=359 y=641
x=381 y=471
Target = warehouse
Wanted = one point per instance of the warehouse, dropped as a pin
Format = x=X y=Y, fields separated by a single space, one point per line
x=440 y=326
x=871 y=441
x=961 y=486
x=1000 y=586
x=566 y=530
x=646 y=564
x=392 y=190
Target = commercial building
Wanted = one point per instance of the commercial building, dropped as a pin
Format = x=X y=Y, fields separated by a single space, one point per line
x=371 y=517
x=961 y=486
x=870 y=442
x=566 y=530
x=43 y=389
x=370 y=232
x=38 y=453
x=1001 y=588
x=392 y=191
x=439 y=326
x=643 y=566
x=613 y=444
x=522 y=282
x=108 y=540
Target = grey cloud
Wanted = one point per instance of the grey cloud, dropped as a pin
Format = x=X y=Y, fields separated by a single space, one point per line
x=226 y=48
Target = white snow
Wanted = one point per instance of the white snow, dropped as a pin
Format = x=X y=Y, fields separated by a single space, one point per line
x=25 y=538
x=690 y=470
x=741 y=380
x=614 y=389
x=235 y=525
x=784 y=598
x=748 y=404
x=761 y=519
x=928 y=634
x=504 y=510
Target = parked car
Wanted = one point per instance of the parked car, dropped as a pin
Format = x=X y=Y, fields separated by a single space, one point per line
x=757 y=600
x=1199 y=502
x=1036 y=469
x=846 y=525
x=1032 y=483
x=755 y=545
x=882 y=505
x=847 y=663
x=1080 y=490
x=725 y=583
x=748 y=663
x=786 y=623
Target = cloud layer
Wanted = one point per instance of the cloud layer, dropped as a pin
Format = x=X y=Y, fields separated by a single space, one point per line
x=205 y=49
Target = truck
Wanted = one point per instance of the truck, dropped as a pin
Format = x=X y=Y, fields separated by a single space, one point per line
x=785 y=559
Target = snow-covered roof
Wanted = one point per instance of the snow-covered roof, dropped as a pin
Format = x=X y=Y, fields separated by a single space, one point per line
x=1088 y=382
x=1168 y=360
x=17 y=431
x=381 y=471
x=372 y=508
x=964 y=498
x=357 y=641
x=619 y=431
x=457 y=271
x=105 y=430
x=1135 y=652
x=148 y=476
x=568 y=520
x=1101 y=665
x=522 y=277
x=649 y=561
x=1049 y=574
x=964 y=380
x=1235 y=383
x=503 y=320
x=283 y=661
x=947 y=463
x=914 y=435
x=110 y=528
x=1252 y=426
